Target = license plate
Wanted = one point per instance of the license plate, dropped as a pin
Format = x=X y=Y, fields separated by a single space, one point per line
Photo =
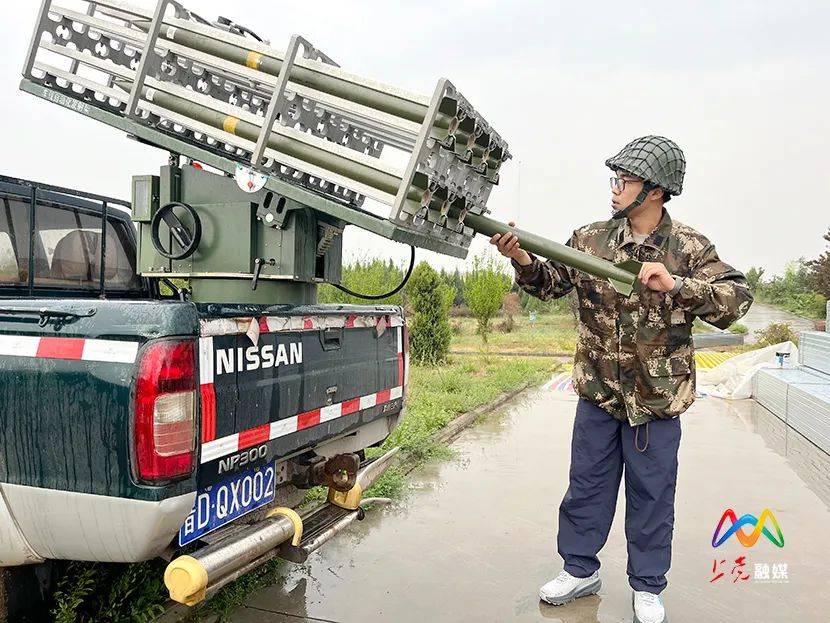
x=223 y=502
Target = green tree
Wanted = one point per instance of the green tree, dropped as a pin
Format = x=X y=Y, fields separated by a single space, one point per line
x=458 y=287
x=819 y=275
x=753 y=277
x=485 y=287
x=429 y=325
x=793 y=291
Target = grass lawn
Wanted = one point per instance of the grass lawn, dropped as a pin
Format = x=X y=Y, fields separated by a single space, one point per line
x=551 y=333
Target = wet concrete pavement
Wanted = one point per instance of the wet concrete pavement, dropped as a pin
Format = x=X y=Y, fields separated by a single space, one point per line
x=761 y=315
x=476 y=536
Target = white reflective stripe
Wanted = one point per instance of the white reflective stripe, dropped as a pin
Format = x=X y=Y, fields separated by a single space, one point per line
x=110 y=350
x=226 y=445
x=206 y=360
x=365 y=321
x=113 y=351
x=400 y=339
x=335 y=322
x=284 y=427
x=219 y=447
x=406 y=368
x=19 y=345
x=296 y=323
x=231 y=326
x=277 y=323
x=330 y=412
x=218 y=326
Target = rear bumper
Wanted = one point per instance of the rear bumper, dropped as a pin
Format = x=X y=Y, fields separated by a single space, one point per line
x=14 y=548
x=37 y=523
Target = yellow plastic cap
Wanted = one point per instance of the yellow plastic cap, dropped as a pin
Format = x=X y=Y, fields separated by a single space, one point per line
x=186 y=580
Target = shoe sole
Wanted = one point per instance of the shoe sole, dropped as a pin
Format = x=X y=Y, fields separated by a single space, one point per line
x=636 y=620
x=590 y=589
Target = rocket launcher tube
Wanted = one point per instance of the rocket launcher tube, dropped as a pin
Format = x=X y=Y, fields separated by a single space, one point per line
x=317 y=156
x=622 y=276
x=328 y=80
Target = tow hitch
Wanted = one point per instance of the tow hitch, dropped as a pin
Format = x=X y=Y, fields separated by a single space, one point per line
x=285 y=533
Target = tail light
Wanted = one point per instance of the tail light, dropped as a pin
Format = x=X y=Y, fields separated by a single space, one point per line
x=164 y=429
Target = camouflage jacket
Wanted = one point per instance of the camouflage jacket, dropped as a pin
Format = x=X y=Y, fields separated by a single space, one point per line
x=634 y=355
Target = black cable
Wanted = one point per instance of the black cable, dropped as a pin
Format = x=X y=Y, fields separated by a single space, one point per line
x=375 y=297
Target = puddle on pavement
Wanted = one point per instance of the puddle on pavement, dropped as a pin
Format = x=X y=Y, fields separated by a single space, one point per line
x=476 y=535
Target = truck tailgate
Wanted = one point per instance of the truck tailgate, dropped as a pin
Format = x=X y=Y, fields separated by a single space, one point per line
x=283 y=383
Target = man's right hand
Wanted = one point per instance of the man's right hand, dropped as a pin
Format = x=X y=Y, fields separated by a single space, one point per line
x=508 y=246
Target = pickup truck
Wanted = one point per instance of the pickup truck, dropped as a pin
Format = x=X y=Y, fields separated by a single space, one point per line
x=134 y=422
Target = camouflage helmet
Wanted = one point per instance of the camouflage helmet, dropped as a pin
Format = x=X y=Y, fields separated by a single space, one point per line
x=655 y=159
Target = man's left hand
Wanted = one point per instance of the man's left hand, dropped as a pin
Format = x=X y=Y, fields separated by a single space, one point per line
x=655 y=276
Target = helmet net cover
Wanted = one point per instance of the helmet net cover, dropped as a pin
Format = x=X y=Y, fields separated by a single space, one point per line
x=655 y=159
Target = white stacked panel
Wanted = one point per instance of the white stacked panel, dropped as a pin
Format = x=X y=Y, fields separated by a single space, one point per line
x=814 y=350
x=808 y=412
x=771 y=386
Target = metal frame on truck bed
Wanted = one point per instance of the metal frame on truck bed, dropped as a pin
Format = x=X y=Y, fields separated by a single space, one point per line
x=96 y=205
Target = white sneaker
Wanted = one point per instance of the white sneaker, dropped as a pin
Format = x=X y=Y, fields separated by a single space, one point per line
x=565 y=588
x=648 y=608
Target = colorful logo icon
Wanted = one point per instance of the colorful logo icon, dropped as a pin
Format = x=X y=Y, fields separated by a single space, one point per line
x=748 y=540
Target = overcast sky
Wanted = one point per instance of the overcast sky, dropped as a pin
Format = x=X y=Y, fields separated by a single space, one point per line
x=742 y=87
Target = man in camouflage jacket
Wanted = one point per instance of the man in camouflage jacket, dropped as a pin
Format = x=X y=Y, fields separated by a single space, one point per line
x=634 y=367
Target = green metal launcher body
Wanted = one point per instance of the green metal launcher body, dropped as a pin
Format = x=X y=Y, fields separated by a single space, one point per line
x=254 y=247
x=281 y=151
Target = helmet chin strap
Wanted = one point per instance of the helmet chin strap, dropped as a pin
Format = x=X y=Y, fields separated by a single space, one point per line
x=634 y=204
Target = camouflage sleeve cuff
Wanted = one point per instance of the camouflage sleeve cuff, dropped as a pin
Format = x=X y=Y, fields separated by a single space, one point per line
x=529 y=273
x=693 y=292
x=678 y=283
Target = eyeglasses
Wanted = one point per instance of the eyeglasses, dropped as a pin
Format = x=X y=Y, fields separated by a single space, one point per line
x=618 y=183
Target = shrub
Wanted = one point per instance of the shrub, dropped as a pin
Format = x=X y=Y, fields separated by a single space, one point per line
x=511 y=307
x=776 y=333
x=91 y=591
x=484 y=289
x=738 y=328
x=429 y=325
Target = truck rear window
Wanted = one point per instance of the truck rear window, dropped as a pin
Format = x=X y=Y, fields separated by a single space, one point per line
x=67 y=248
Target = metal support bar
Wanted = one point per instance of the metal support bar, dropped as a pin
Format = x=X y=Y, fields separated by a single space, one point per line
x=277 y=104
x=32 y=225
x=146 y=58
x=42 y=18
x=103 y=249
x=73 y=68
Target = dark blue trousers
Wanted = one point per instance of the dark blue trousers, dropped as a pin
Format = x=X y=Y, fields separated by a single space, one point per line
x=600 y=448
